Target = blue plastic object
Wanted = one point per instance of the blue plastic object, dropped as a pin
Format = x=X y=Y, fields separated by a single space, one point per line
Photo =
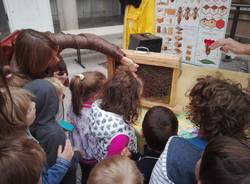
x=66 y=125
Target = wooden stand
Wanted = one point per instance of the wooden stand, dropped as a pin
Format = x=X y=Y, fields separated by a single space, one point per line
x=155 y=62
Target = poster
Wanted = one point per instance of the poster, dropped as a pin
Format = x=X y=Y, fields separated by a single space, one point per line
x=189 y=27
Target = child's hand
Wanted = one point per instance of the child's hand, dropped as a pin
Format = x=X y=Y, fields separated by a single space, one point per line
x=67 y=153
x=125 y=152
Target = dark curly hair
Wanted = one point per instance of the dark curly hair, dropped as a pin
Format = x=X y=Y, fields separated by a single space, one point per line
x=219 y=107
x=121 y=95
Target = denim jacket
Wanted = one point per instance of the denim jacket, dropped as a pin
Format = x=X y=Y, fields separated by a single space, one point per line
x=55 y=174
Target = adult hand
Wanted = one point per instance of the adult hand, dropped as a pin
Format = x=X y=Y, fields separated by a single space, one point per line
x=62 y=77
x=228 y=44
x=67 y=153
x=132 y=66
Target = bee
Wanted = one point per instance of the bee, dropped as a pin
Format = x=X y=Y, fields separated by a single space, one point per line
x=179 y=15
x=187 y=13
x=195 y=13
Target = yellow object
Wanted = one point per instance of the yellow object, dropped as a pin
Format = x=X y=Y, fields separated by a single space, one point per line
x=139 y=20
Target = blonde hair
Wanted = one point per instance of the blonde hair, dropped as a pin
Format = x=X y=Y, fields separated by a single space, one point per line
x=116 y=169
x=59 y=87
x=15 y=110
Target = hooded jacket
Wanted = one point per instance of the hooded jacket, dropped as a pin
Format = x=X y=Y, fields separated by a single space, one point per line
x=105 y=126
x=45 y=127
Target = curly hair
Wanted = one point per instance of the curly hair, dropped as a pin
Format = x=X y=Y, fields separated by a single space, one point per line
x=121 y=95
x=219 y=107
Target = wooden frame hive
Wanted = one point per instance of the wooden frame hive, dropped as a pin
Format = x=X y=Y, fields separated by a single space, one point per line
x=159 y=74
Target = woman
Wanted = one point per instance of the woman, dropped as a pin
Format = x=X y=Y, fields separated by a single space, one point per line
x=36 y=54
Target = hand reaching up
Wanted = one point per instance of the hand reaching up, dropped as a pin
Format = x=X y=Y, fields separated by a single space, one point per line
x=67 y=153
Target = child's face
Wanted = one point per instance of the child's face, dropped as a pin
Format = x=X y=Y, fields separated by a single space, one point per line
x=31 y=113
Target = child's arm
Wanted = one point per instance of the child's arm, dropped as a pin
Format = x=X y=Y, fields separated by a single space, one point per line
x=118 y=145
x=56 y=173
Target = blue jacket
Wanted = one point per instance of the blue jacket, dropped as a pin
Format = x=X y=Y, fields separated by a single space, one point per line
x=55 y=174
x=176 y=164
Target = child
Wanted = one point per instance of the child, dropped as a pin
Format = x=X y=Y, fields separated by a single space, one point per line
x=84 y=89
x=45 y=127
x=217 y=107
x=225 y=160
x=158 y=125
x=111 y=118
x=115 y=169
x=60 y=89
x=21 y=161
x=23 y=113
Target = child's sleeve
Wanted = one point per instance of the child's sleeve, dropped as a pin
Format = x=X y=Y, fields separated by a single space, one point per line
x=117 y=144
x=55 y=174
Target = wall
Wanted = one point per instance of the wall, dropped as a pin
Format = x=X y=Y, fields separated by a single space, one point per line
x=92 y=8
x=243 y=27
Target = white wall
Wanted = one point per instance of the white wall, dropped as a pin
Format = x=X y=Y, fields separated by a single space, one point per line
x=35 y=14
x=92 y=8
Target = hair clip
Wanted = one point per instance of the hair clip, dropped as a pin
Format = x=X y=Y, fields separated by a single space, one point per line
x=81 y=76
x=9 y=76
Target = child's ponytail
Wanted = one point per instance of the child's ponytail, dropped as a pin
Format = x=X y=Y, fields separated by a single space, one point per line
x=11 y=78
x=84 y=87
x=77 y=89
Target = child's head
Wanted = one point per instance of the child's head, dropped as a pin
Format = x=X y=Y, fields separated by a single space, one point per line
x=121 y=95
x=158 y=125
x=116 y=169
x=21 y=161
x=84 y=87
x=225 y=160
x=219 y=107
x=19 y=109
x=60 y=88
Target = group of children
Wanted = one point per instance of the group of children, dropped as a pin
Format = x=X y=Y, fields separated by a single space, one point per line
x=34 y=148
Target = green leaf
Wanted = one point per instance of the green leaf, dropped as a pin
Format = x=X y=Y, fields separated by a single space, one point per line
x=207 y=61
